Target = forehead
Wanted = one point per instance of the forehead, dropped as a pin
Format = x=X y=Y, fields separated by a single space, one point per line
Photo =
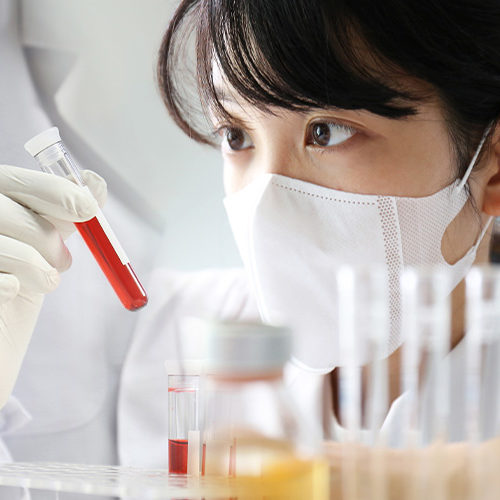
x=224 y=91
x=229 y=104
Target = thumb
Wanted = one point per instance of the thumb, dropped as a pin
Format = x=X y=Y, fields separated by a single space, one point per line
x=99 y=190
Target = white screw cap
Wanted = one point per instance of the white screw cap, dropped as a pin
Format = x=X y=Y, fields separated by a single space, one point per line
x=42 y=141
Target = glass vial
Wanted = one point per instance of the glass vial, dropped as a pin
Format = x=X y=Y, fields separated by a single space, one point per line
x=183 y=424
x=252 y=432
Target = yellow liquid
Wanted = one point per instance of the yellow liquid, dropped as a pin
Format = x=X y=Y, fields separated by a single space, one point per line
x=292 y=479
x=256 y=467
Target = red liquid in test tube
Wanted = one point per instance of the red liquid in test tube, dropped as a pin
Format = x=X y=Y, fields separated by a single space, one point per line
x=177 y=456
x=120 y=275
x=183 y=425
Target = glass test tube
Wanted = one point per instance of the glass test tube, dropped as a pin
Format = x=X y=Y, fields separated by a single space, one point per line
x=183 y=425
x=350 y=345
x=483 y=352
x=364 y=330
x=48 y=149
x=426 y=334
x=426 y=323
x=482 y=375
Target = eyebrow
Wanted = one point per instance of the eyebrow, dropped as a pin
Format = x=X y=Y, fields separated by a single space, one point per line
x=233 y=119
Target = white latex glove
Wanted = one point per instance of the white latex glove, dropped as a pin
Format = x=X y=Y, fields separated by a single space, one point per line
x=37 y=211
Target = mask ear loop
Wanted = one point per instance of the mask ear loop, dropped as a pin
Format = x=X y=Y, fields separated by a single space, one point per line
x=472 y=163
x=483 y=232
x=460 y=186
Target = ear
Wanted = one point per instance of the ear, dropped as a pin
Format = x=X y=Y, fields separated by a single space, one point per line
x=491 y=199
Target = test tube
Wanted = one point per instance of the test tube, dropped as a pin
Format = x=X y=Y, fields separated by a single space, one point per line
x=483 y=352
x=53 y=158
x=426 y=323
x=482 y=370
x=356 y=330
x=364 y=329
x=350 y=345
x=427 y=327
x=183 y=425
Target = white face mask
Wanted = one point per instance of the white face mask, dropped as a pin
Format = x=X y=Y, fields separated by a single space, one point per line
x=293 y=236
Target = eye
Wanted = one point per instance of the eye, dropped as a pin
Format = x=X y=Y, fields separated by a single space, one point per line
x=327 y=134
x=235 y=139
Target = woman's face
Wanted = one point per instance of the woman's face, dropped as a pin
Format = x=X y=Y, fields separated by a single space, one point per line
x=353 y=151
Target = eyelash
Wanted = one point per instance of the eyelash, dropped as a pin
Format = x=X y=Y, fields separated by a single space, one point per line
x=220 y=129
x=342 y=127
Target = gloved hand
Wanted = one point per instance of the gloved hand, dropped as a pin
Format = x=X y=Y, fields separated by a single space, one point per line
x=37 y=212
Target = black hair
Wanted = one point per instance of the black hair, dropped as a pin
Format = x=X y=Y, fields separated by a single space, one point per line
x=348 y=54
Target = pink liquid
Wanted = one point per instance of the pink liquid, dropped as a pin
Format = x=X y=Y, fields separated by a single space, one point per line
x=177 y=456
x=121 y=277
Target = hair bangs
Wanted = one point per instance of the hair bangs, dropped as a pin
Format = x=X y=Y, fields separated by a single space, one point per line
x=311 y=58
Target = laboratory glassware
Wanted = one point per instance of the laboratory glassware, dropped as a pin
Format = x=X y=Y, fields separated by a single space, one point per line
x=252 y=433
x=482 y=372
x=425 y=377
x=426 y=324
x=53 y=158
x=482 y=352
x=183 y=424
x=364 y=329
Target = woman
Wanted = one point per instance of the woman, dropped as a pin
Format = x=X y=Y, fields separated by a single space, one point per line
x=349 y=132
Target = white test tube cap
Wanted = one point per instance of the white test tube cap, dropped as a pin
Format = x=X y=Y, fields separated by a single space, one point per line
x=42 y=141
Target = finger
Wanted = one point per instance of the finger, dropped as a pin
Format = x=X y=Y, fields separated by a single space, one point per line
x=97 y=186
x=47 y=194
x=22 y=224
x=27 y=265
x=9 y=287
x=64 y=228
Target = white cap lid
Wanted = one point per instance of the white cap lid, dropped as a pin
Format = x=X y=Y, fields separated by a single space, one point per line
x=246 y=348
x=42 y=141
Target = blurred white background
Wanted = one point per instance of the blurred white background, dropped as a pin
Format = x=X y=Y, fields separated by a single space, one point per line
x=93 y=65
